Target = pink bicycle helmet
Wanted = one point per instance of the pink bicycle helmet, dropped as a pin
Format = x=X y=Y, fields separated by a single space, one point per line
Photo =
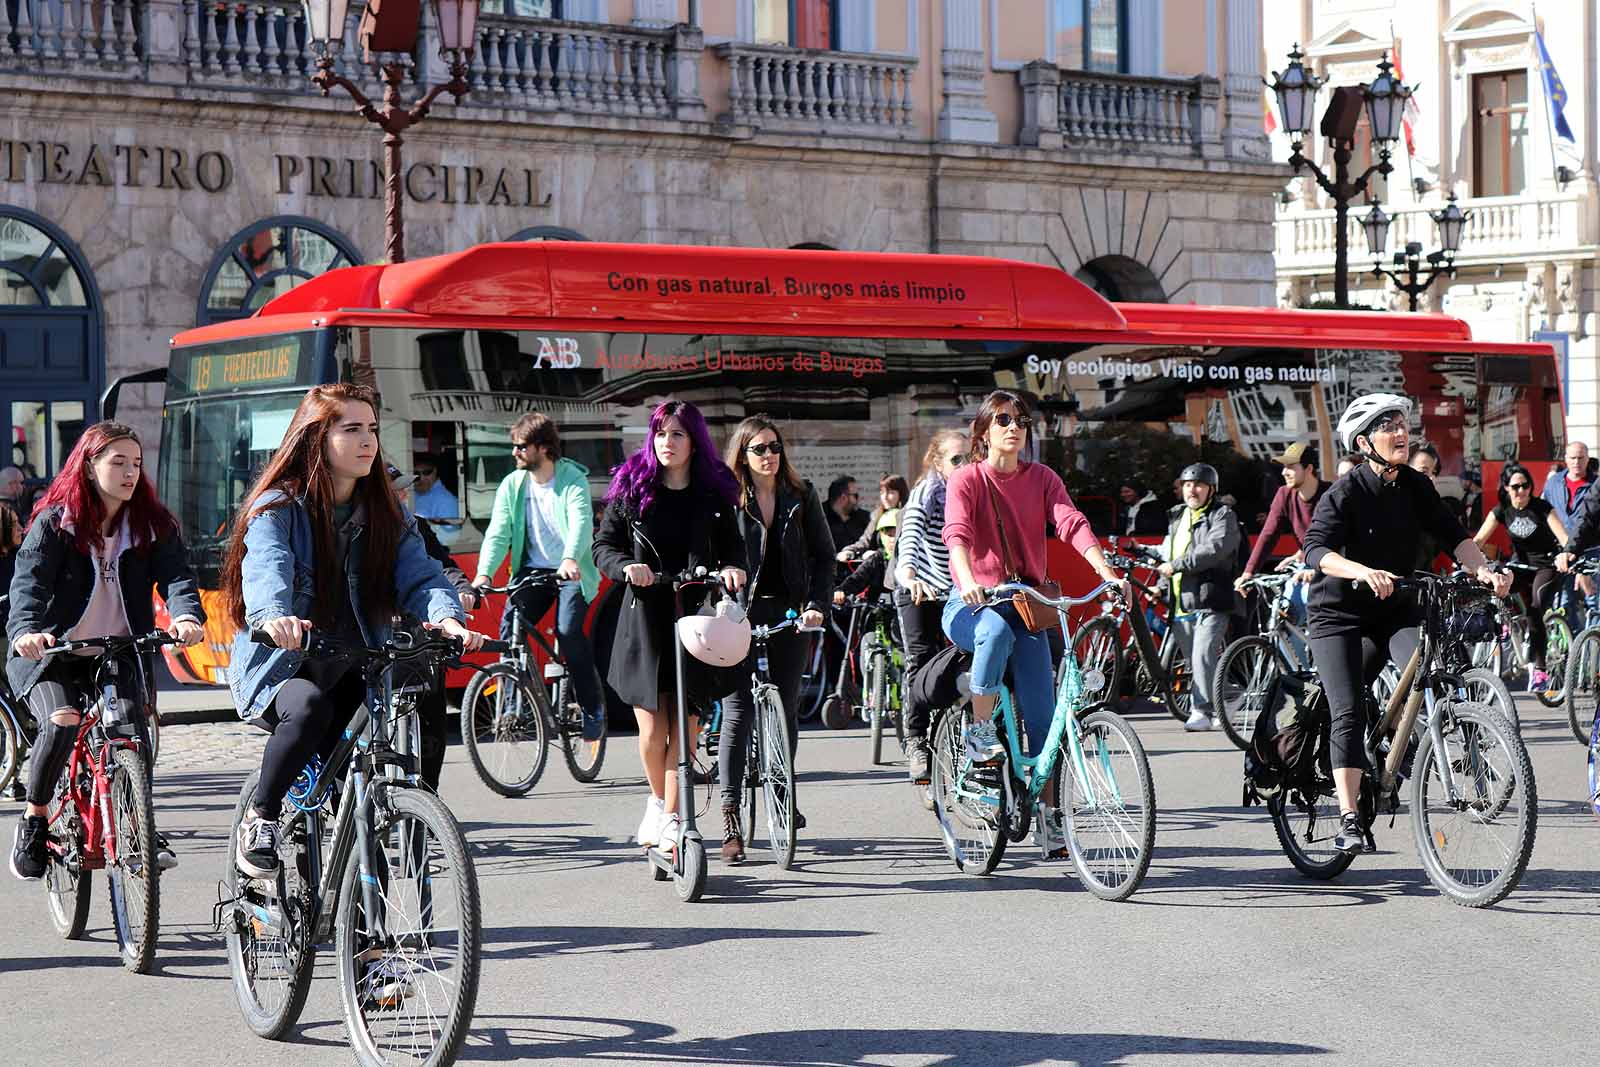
x=721 y=639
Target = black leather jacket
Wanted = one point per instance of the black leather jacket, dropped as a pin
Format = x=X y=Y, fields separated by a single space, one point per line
x=808 y=549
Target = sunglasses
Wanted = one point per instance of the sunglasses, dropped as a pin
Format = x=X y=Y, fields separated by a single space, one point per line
x=1514 y=486
x=424 y=472
x=1005 y=418
x=518 y=446
x=774 y=447
x=956 y=460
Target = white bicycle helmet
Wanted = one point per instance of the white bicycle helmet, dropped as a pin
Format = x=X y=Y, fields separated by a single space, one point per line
x=1366 y=410
x=721 y=639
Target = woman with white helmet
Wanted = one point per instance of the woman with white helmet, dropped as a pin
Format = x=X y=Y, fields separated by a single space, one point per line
x=1362 y=539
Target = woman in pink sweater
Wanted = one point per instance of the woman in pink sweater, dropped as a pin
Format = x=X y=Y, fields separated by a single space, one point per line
x=1027 y=494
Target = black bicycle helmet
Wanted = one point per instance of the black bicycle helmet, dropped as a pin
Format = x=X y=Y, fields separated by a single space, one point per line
x=1200 y=472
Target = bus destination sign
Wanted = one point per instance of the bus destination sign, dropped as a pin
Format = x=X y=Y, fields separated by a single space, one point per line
x=256 y=368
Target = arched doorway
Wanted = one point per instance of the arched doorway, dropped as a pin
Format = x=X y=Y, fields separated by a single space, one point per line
x=52 y=348
x=267 y=259
x=547 y=233
x=1121 y=278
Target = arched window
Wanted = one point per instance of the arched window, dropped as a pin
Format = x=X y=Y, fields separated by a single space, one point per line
x=267 y=259
x=51 y=343
x=547 y=233
x=815 y=246
x=1121 y=278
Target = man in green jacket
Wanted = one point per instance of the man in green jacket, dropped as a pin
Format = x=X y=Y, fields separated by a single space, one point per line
x=544 y=521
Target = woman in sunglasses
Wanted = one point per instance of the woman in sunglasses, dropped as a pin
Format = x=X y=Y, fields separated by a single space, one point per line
x=1537 y=537
x=997 y=508
x=789 y=557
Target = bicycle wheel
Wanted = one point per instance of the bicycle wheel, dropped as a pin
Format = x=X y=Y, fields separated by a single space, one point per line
x=583 y=756
x=1306 y=824
x=268 y=936
x=1583 y=682
x=10 y=749
x=1098 y=647
x=134 y=881
x=1558 y=642
x=66 y=880
x=1109 y=802
x=1178 y=682
x=1594 y=766
x=1475 y=848
x=750 y=793
x=777 y=776
x=1482 y=686
x=967 y=805
x=503 y=729
x=408 y=975
x=1248 y=669
x=877 y=689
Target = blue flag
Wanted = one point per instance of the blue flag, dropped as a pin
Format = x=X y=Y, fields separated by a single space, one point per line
x=1554 y=91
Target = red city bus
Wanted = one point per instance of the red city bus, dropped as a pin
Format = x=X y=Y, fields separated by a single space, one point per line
x=861 y=356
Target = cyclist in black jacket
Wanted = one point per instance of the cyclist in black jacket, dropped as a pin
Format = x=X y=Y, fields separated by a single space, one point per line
x=1363 y=538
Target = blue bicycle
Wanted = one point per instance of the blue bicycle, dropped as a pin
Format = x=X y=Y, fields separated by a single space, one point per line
x=1101 y=773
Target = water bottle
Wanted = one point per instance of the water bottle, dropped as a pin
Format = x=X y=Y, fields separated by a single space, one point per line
x=1157 y=625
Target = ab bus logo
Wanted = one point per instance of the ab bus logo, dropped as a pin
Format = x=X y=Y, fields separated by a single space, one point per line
x=558 y=353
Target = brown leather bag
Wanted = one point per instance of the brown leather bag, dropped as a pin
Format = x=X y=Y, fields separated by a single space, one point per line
x=1035 y=616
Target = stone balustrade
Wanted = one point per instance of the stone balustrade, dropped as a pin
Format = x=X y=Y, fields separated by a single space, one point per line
x=1499 y=227
x=818 y=92
x=95 y=36
x=573 y=66
x=1120 y=112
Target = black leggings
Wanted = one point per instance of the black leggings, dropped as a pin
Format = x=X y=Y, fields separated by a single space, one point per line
x=786 y=663
x=1358 y=656
x=305 y=720
x=922 y=627
x=1539 y=589
x=68 y=682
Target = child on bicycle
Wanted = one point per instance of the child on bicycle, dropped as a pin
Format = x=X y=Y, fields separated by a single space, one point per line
x=320 y=540
x=99 y=540
x=874 y=576
x=996 y=509
x=670 y=508
x=1362 y=540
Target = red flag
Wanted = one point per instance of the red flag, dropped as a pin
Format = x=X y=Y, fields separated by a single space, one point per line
x=1412 y=112
x=1268 y=122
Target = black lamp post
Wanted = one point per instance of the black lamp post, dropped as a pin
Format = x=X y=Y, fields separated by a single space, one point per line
x=393 y=27
x=1413 y=278
x=1384 y=101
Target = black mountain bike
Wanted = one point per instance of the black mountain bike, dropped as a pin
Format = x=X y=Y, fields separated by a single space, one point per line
x=373 y=861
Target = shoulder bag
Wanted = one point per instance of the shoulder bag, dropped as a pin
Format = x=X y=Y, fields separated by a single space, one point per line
x=1035 y=616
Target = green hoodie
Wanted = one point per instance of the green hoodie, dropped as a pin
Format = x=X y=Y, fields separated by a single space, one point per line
x=508 y=524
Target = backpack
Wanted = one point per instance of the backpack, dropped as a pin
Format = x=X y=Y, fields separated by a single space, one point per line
x=1290 y=738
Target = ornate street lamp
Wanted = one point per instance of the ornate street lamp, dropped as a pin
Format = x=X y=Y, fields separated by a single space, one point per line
x=1384 y=101
x=1410 y=276
x=393 y=26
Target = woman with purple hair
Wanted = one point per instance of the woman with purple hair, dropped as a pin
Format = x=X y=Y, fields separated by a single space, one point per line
x=670 y=508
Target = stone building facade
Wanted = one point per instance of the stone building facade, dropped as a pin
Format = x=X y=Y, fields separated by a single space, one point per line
x=1484 y=130
x=165 y=163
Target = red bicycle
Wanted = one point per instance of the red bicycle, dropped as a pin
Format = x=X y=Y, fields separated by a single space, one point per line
x=103 y=816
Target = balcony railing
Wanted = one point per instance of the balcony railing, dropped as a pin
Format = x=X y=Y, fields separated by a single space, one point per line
x=573 y=66
x=1119 y=112
x=102 y=36
x=1499 y=226
x=818 y=92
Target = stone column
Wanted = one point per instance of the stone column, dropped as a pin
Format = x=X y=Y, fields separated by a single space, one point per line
x=683 y=74
x=966 y=115
x=1243 y=136
x=163 y=36
x=1041 y=99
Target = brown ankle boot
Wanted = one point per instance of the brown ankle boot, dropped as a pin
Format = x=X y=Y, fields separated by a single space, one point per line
x=732 y=838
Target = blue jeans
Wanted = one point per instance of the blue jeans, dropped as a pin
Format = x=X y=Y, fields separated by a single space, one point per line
x=996 y=636
x=571 y=607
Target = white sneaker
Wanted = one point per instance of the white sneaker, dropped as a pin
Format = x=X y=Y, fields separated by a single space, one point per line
x=1198 y=721
x=650 y=826
x=1049 y=832
x=671 y=830
x=982 y=742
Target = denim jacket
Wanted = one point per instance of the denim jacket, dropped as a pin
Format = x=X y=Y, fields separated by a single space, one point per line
x=277 y=576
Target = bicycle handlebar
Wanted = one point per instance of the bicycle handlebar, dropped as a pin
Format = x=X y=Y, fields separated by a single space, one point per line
x=527 y=580
x=111 y=645
x=322 y=646
x=997 y=593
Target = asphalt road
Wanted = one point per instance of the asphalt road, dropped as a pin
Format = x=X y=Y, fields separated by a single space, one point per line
x=874 y=950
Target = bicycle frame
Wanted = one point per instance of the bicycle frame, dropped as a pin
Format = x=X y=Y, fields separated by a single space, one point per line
x=91 y=752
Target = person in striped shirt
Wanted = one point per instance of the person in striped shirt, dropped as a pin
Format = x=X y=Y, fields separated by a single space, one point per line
x=922 y=574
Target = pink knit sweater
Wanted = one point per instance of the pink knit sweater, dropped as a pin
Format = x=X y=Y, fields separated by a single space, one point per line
x=1029 y=496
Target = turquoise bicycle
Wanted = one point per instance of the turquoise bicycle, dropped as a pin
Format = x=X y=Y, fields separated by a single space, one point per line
x=1094 y=756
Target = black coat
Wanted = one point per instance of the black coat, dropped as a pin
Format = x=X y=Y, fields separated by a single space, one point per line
x=807 y=547
x=412 y=672
x=53 y=583
x=641 y=666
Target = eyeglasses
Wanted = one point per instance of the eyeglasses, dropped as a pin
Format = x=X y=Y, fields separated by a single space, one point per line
x=1394 y=425
x=775 y=447
x=1515 y=486
x=520 y=446
x=425 y=472
x=1005 y=418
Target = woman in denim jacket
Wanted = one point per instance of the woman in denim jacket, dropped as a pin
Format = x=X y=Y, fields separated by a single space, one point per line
x=322 y=541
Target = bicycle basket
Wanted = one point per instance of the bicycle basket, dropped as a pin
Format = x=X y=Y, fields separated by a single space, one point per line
x=1473 y=621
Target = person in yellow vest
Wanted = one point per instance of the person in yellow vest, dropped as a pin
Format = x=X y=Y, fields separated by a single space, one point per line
x=1201 y=553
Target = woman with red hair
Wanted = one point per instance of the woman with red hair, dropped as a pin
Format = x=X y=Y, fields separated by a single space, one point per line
x=321 y=540
x=99 y=540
